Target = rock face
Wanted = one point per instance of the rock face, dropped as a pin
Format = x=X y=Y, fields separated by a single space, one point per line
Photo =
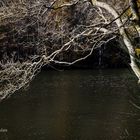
x=25 y=33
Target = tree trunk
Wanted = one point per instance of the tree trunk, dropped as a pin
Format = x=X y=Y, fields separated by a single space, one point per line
x=123 y=33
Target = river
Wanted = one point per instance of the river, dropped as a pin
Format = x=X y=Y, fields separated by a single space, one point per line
x=74 y=105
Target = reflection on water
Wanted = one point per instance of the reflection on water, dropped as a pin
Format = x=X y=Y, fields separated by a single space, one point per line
x=74 y=105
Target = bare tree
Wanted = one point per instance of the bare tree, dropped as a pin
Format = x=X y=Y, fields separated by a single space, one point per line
x=42 y=32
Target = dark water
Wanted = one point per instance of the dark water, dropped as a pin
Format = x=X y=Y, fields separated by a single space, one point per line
x=74 y=105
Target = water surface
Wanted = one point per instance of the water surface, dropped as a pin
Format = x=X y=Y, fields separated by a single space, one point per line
x=74 y=105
